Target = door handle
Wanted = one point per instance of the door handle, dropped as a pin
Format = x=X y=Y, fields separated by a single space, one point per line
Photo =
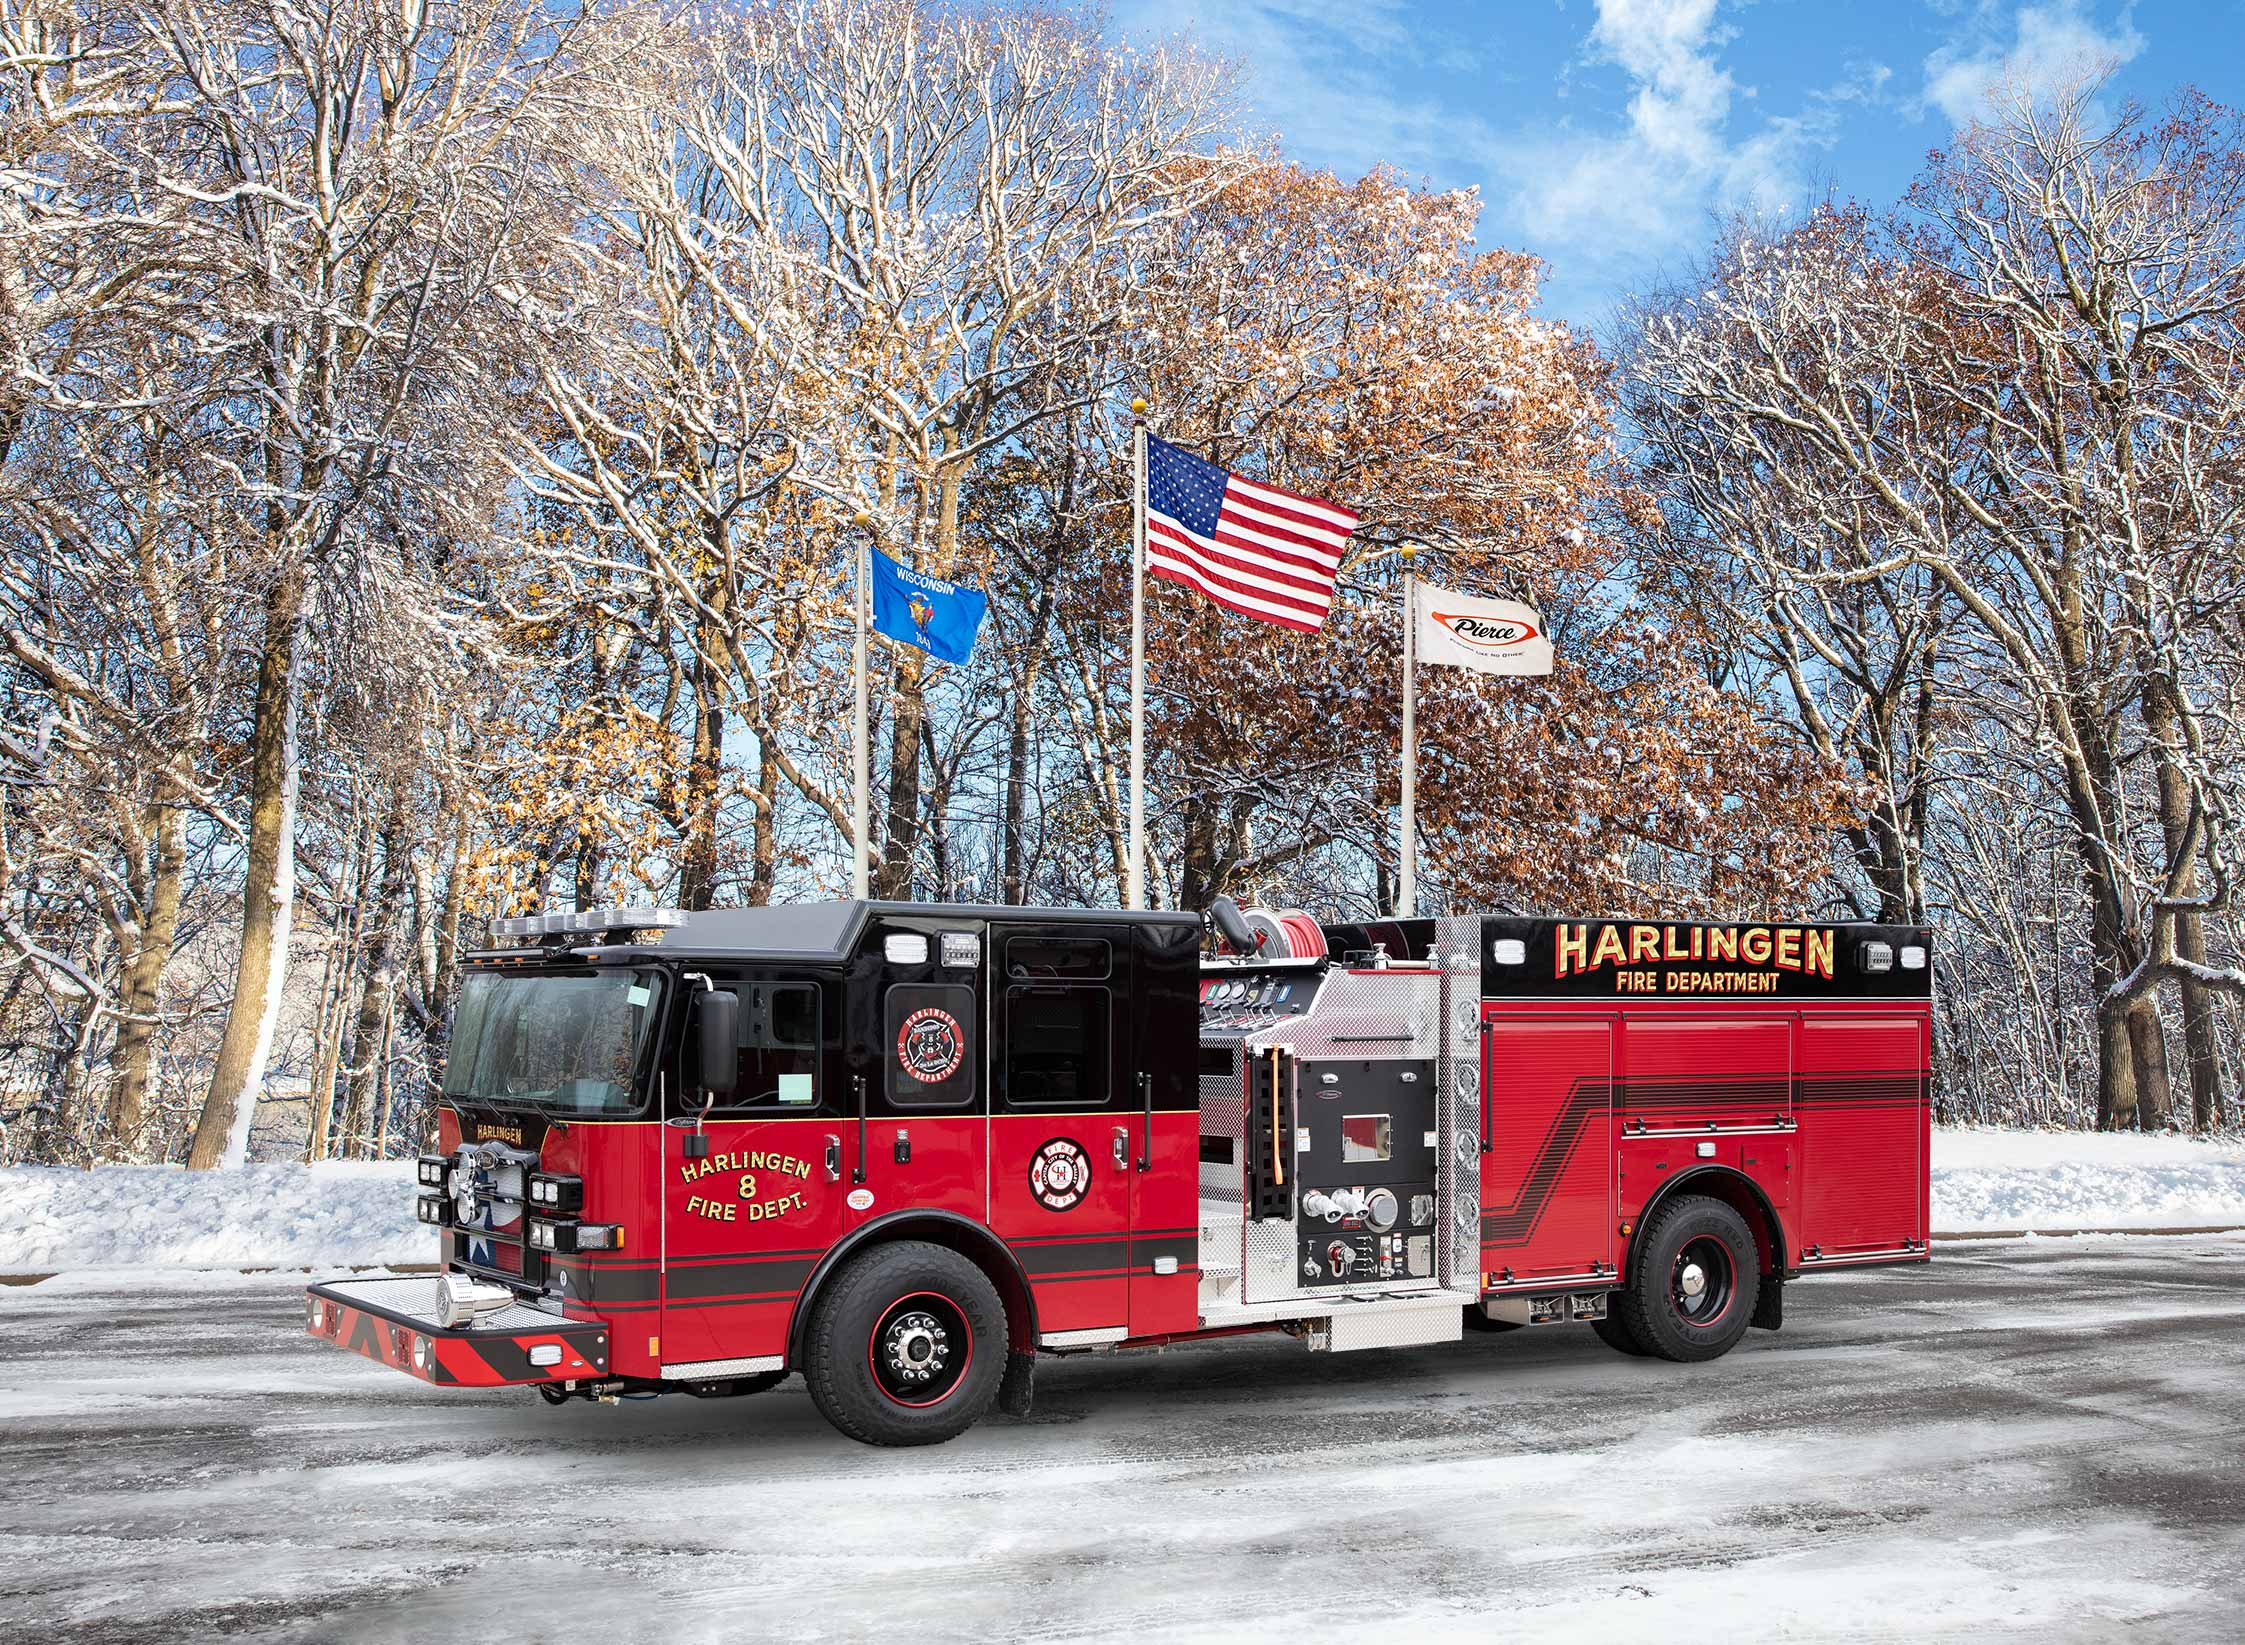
x=1122 y=1145
x=1146 y=1147
x=857 y=1171
x=903 y=1146
x=833 y=1157
x=1488 y=1093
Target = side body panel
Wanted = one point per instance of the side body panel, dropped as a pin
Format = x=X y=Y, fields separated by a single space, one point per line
x=1547 y=1181
x=1864 y=1134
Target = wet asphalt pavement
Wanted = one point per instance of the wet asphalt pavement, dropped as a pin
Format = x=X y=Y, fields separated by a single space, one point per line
x=2029 y=1440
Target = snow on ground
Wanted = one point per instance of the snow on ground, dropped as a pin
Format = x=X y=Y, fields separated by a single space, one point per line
x=338 y=1215
x=2021 y=1443
x=2084 y=1179
x=260 y=1216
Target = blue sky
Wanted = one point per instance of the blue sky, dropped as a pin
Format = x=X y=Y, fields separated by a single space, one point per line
x=1605 y=135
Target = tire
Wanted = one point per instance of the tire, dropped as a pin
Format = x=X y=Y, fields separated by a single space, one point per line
x=884 y=1353
x=1613 y=1331
x=1694 y=1279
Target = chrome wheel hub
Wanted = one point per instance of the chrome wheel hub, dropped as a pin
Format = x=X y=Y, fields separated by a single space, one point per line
x=1693 y=1280
x=916 y=1346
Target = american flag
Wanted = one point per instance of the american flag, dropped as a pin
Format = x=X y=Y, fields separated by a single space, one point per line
x=1250 y=547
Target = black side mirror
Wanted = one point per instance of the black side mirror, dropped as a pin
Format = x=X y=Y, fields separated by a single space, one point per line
x=717 y=1037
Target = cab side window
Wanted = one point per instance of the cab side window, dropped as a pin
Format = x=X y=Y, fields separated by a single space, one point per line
x=779 y=1045
x=1056 y=1047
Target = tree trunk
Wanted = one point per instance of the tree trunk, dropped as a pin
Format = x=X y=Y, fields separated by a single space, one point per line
x=2147 y=1046
x=2116 y=1079
x=2201 y=1044
x=134 y=1056
x=268 y=888
x=705 y=770
x=377 y=999
x=764 y=837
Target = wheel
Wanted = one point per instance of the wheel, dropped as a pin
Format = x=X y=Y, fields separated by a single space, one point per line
x=1694 y=1279
x=1613 y=1331
x=907 y=1346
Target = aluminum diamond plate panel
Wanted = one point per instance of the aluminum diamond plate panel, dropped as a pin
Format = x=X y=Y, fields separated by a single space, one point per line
x=414 y=1296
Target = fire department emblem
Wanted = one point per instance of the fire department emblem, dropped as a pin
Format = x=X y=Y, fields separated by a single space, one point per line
x=930 y=1045
x=1060 y=1175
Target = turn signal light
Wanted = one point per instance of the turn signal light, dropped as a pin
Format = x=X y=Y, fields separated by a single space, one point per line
x=575 y=1236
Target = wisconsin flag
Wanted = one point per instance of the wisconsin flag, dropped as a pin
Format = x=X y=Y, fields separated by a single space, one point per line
x=939 y=617
x=1494 y=636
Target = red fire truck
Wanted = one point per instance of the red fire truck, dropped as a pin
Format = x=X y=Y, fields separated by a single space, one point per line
x=904 y=1149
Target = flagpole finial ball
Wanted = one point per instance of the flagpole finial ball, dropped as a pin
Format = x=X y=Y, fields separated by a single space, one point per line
x=1138 y=408
x=861 y=519
x=1409 y=551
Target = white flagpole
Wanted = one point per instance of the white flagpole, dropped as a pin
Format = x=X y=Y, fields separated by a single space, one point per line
x=1134 y=877
x=861 y=864
x=1407 y=879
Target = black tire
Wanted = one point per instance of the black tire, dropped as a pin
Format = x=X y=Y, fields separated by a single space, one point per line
x=1613 y=1331
x=883 y=1355
x=1694 y=1277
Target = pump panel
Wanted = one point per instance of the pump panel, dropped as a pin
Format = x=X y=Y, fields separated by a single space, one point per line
x=1366 y=1156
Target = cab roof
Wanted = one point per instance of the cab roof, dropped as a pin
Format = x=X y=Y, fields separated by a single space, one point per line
x=804 y=931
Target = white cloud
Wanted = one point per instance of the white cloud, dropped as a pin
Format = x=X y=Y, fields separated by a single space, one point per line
x=2049 y=45
x=1622 y=194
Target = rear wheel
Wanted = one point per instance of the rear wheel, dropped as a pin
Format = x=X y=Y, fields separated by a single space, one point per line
x=1613 y=1330
x=1695 y=1278
x=907 y=1345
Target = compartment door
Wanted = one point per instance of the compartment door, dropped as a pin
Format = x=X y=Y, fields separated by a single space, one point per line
x=1547 y=1181
x=1862 y=1134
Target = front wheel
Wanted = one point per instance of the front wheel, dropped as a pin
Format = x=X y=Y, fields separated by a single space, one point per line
x=907 y=1346
x=1694 y=1280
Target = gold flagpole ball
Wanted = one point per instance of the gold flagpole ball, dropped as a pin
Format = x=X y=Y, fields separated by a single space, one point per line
x=1138 y=408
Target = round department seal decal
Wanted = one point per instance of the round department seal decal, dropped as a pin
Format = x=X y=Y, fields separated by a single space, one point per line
x=1060 y=1175
x=930 y=1045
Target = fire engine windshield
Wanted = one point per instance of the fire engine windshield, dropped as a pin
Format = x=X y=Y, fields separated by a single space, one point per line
x=566 y=1044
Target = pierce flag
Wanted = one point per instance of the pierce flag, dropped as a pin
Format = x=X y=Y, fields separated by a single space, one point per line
x=939 y=617
x=1494 y=636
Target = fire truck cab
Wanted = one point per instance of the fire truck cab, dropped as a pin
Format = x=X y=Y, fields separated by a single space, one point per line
x=904 y=1149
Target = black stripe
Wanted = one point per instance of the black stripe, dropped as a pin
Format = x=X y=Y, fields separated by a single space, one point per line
x=1144 y=1251
x=1073 y=1256
x=1513 y=1222
x=606 y=1285
x=733 y=1279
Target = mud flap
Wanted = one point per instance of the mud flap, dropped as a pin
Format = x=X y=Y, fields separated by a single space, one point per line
x=1018 y=1389
x=1769 y=1307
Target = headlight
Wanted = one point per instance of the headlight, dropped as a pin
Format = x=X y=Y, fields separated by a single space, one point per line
x=430 y=1208
x=428 y=1170
x=557 y=1193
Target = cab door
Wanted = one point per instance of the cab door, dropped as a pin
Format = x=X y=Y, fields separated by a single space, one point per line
x=754 y=1188
x=1063 y=1128
x=918 y=1088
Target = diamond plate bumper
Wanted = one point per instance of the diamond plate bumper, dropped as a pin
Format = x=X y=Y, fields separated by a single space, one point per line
x=395 y=1322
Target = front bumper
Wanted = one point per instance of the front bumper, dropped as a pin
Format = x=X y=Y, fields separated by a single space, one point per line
x=396 y=1322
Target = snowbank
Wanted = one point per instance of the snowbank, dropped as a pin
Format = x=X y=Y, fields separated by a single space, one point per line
x=260 y=1216
x=332 y=1216
x=2077 y=1179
